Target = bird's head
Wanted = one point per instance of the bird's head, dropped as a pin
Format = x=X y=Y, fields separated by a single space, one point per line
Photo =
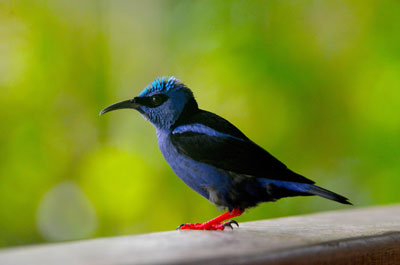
x=162 y=102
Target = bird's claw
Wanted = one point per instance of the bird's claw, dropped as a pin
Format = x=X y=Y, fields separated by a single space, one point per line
x=229 y=224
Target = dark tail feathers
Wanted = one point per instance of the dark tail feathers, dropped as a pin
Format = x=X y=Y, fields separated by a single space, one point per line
x=328 y=194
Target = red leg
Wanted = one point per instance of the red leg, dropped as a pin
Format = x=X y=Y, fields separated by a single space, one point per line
x=216 y=223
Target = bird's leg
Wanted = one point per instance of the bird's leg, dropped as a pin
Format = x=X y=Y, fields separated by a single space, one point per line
x=216 y=223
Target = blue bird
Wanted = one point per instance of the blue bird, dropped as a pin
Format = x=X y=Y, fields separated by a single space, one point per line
x=213 y=157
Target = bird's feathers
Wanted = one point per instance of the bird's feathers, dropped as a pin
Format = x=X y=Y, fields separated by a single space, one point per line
x=211 y=139
x=202 y=129
x=212 y=121
x=305 y=189
x=316 y=190
x=160 y=84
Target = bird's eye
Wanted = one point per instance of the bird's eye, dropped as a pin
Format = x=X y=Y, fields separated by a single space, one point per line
x=157 y=100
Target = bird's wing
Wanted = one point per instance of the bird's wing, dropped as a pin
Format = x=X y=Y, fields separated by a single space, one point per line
x=211 y=139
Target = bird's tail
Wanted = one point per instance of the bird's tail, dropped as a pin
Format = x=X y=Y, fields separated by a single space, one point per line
x=315 y=190
x=306 y=189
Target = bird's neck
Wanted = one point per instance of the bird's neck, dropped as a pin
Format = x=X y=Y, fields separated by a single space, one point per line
x=190 y=109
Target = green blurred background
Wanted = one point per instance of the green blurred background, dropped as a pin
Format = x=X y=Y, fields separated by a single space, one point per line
x=317 y=83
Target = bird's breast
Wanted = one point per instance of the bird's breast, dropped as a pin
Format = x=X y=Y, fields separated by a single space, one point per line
x=199 y=176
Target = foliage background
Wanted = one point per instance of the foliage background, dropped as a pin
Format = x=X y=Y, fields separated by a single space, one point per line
x=317 y=83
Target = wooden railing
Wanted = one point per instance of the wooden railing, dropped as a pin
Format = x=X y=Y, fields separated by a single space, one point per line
x=354 y=236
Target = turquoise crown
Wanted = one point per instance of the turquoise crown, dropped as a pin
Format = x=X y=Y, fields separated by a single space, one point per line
x=160 y=84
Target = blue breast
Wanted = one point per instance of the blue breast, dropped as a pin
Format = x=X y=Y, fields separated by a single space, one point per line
x=199 y=176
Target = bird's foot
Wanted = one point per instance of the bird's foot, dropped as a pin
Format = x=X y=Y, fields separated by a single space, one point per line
x=208 y=226
x=229 y=224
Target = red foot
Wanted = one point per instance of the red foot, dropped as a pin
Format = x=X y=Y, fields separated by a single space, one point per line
x=205 y=226
x=216 y=223
x=199 y=226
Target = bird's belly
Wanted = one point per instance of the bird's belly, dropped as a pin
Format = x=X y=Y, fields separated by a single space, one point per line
x=204 y=179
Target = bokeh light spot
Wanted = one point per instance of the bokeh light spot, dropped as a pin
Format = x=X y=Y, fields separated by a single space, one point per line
x=65 y=214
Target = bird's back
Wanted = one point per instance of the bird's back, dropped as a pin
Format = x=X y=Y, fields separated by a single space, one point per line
x=211 y=139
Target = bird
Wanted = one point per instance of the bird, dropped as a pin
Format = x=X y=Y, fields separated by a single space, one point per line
x=213 y=157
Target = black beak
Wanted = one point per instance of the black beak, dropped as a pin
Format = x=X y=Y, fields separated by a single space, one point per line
x=127 y=104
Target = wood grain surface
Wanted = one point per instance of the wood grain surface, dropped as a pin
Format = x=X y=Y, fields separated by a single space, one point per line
x=354 y=236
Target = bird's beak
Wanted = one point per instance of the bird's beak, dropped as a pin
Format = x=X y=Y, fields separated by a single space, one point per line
x=127 y=104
